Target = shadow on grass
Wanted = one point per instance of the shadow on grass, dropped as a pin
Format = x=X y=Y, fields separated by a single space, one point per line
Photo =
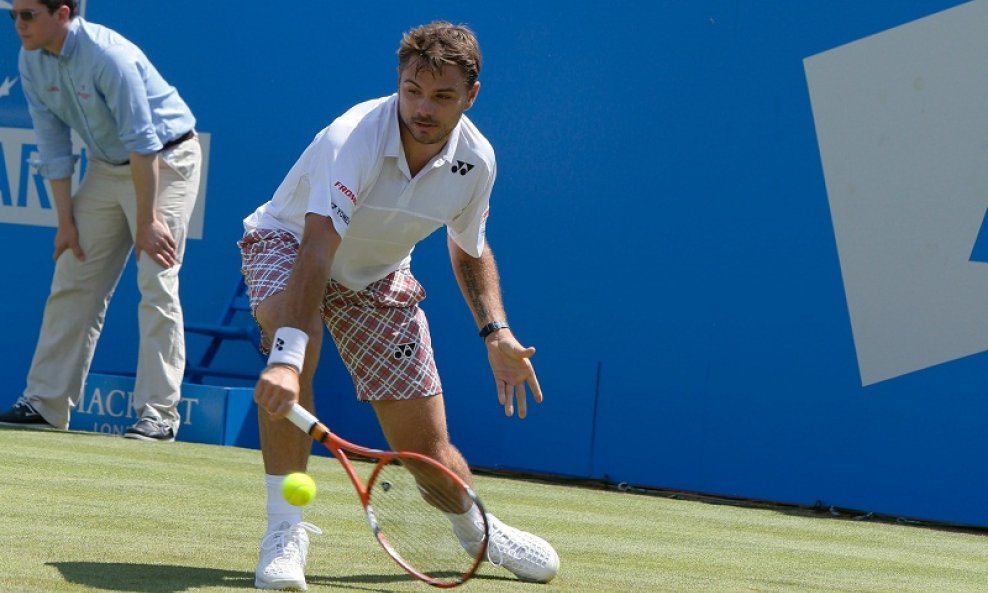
x=363 y=582
x=157 y=578
x=149 y=578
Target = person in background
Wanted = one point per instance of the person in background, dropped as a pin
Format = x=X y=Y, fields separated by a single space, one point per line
x=138 y=193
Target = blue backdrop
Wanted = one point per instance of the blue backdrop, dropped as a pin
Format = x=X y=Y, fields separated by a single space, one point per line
x=662 y=224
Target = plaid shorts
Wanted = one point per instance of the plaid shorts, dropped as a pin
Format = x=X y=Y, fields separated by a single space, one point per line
x=380 y=332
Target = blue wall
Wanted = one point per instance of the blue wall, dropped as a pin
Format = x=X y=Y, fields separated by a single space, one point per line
x=662 y=224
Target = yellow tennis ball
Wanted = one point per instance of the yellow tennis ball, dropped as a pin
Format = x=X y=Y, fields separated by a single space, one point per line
x=298 y=489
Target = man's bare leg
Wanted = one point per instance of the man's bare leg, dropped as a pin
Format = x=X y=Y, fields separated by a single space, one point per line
x=284 y=448
x=419 y=425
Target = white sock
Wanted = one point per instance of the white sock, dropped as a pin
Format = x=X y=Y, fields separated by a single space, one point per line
x=467 y=526
x=278 y=508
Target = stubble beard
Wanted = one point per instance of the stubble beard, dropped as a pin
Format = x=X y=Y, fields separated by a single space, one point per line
x=439 y=136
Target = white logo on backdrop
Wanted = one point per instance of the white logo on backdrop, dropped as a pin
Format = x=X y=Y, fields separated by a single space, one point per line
x=900 y=120
x=25 y=197
x=7 y=84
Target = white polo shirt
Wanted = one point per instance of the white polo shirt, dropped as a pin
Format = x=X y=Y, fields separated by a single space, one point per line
x=355 y=173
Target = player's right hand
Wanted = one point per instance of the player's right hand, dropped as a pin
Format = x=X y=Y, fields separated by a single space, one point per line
x=277 y=389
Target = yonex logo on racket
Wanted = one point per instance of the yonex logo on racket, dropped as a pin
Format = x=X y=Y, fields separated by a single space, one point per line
x=405 y=350
x=462 y=168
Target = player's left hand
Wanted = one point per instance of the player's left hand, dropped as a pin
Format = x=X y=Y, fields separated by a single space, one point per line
x=512 y=366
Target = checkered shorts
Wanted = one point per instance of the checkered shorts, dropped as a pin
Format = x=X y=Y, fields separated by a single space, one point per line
x=380 y=332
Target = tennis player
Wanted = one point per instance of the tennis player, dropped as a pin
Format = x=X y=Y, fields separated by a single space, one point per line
x=333 y=246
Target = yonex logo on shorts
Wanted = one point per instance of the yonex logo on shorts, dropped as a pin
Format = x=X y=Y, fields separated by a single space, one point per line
x=462 y=168
x=405 y=350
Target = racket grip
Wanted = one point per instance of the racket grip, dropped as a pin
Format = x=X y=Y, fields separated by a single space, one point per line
x=301 y=418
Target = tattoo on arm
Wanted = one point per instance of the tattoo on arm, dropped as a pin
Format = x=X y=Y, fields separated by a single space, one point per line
x=472 y=275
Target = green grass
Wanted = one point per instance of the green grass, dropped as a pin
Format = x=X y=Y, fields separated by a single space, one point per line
x=85 y=512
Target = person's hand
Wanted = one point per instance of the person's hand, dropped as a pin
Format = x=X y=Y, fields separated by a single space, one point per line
x=277 y=389
x=67 y=237
x=155 y=240
x=512 y=367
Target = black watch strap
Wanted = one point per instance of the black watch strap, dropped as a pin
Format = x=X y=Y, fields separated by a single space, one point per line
x=492 y=327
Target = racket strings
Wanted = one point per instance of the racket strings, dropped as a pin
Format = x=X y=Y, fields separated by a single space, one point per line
x=411 y=513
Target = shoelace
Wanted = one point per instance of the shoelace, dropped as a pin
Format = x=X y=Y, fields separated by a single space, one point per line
x=286 y=541
x=498 y=542
x=155 y=424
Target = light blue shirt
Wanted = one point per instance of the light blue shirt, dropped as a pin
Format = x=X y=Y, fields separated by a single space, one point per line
x=103 y=87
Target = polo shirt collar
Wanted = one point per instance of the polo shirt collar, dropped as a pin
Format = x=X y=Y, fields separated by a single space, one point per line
x=71 y=39
x=454 y=140
x=393 y=147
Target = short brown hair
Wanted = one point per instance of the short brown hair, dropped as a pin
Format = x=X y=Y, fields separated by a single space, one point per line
x=440 y=44
x=53 y=5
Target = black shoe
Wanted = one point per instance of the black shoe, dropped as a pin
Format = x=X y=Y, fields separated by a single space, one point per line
x=23 y=414
x=150 y=428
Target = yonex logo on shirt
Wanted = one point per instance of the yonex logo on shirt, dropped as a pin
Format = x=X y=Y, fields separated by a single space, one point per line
x=339 y=212
x=462 y=168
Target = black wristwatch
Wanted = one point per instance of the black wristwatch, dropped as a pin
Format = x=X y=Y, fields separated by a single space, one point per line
x=492 y=327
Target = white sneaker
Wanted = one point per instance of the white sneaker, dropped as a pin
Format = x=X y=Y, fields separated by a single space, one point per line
x=283 y=553
x=529 y=557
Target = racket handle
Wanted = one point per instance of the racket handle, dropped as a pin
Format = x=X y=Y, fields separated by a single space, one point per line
x=301 y=418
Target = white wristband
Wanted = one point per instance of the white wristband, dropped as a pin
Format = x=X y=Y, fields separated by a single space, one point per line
x=289 y=347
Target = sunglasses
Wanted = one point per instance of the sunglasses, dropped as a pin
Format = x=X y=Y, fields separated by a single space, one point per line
x=25 y=15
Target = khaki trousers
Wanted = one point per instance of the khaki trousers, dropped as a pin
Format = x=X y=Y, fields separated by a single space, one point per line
x=105 y=210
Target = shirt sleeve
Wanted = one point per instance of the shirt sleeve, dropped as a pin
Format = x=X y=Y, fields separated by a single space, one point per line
x=123 y=82
x=469 y=228
x=333 y=173
x=54 y=136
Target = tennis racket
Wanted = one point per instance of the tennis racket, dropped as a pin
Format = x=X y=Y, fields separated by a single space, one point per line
x=406 y=499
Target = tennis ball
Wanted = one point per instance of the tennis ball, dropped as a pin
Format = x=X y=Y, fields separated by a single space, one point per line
x=298 y=489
